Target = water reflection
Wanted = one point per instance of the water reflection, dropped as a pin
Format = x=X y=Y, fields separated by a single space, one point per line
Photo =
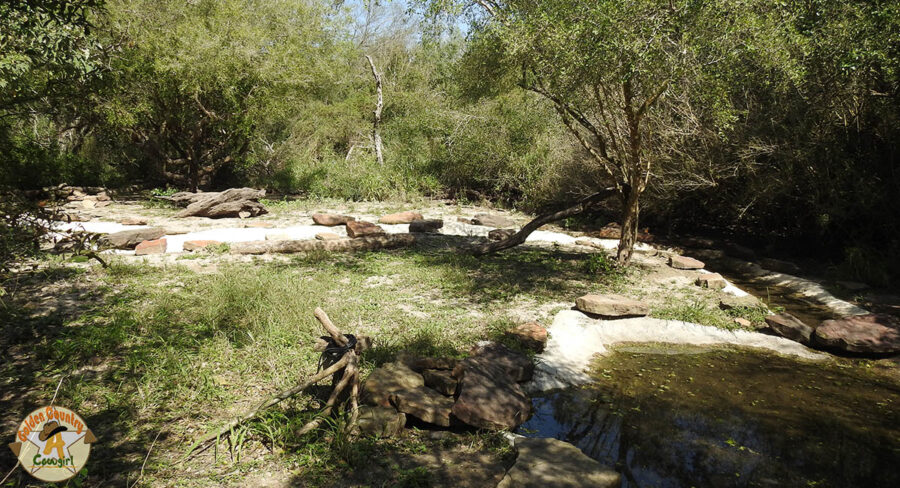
x=730 y=418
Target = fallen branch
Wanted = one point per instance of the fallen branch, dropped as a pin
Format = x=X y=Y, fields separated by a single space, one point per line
x=519 y=237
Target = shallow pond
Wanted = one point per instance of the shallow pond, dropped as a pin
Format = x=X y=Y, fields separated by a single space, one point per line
x=670 y=416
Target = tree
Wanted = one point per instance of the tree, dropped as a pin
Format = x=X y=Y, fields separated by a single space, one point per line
x=630 y=80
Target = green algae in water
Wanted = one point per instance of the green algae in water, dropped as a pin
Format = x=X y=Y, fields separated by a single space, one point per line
x=681 y=417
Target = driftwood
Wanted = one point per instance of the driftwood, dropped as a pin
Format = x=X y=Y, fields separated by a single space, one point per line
x=583 y=205
x=376 y=120
x=370 y=243
x=349 y=363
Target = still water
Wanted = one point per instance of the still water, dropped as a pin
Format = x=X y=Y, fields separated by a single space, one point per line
x=669 y=416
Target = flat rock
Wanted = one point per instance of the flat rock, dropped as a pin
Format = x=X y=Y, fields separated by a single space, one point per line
x=157 y=246
x=420 y=364
x=870 y=333
x=743 y=322
x=328 y=236
x=127 y=239
x=493 y=220
x=400 y=218
x=199 y=244
x=361 y=228
x=380 y=421
x=684 y=262
x=234 y=202
x=531 y=336
x=490 y=399
x=747 y=301
x=331 y=220
x=790 y=327
x=714 y=281
x=441 y=381
x=427 y=225
x=612 y=306
x=424 y=404
x=500 y=234
x=259 y=225
x=545 y=462
x=388 y=379
x=133 y=221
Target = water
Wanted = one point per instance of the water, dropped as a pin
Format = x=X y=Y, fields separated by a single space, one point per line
x=669 y=416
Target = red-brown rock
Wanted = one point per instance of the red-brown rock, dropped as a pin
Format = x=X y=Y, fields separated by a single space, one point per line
x=490 y=399
x=361 y=228
x=684 y=262
x=711 y=280
x=157 y=246
x=400 y=218
x=328 y=236
x=424 y=404
x=790 y=327
x=331 y=220
x=870 y=333
x=532 y=336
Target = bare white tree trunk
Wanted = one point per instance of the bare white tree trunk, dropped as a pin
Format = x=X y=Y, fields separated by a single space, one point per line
x=379 y=105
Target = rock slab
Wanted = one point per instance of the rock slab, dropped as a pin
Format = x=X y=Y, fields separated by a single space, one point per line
x=790 y=327
x=713 y=281
x=441 y=381
x=424 y=404
x=199 y=244
x=612 y=306
x=544 y=463
x=489 y=396
x=388 y=379
x=684 y=262
x=493 y=220
x=331 y=220
x=157 y=246
x=127 y=239
x=869 y=334
x=361 y=228
x=327 y=236
x=400 y=218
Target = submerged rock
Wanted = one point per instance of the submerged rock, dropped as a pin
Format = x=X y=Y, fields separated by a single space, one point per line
x=545 y=463
x=871 y=333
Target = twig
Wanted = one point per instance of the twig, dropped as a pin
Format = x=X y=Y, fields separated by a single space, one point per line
x=349 y=374
x=57 y=390
x=144 y=464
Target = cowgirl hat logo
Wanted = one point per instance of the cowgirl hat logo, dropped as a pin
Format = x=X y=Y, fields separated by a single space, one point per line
x=53 y=443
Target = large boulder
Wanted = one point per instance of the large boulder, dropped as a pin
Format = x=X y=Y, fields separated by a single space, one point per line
x=867 y=334
x=612 y=306
x=489 y=395
x=424 y=404
x=517 y=366
x=546 y=462
x=400 y=218
x=388 y=379
x=234 y=202
x=127 y=239
x=493 y=220
x=790 y=327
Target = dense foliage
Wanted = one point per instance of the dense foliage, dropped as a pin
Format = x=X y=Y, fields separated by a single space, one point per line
x=776 y=121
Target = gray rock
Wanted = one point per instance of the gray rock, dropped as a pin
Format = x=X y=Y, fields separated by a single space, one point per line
x=380 y=421
x=545 y=463
x=790 y=327
x=424 y=404
x=500 y=234
x=869 y=334
x=684 y=262
x=611 y=306
x=493 y=220
x=388 y=379
x=428 y=225
x=441 y=381
x=229 y=203
x=127 y=239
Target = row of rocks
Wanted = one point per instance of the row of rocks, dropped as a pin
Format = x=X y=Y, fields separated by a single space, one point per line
x=482 y=390
x=860 y=334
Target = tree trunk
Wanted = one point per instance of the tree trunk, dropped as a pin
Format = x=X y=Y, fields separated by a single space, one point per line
x=379 y=105
x=193 y=170
x=630 y=213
